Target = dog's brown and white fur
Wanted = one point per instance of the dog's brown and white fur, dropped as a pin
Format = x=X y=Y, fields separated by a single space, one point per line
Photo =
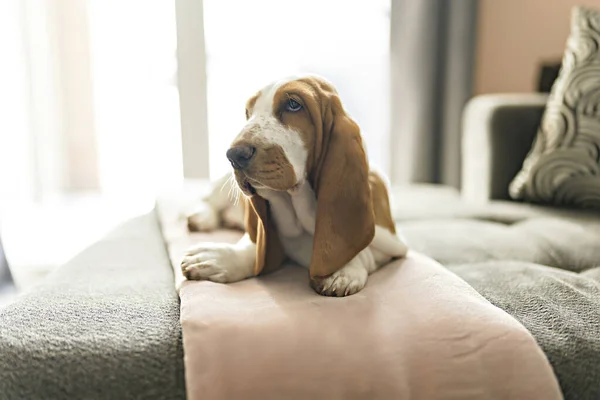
x=308 y=195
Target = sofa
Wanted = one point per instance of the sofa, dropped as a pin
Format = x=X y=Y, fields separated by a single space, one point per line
x=106 y=324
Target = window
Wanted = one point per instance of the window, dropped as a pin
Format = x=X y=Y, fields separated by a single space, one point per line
x=134 y=67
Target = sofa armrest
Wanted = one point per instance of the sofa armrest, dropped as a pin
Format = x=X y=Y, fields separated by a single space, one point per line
x=105 y=325
x=498 y=131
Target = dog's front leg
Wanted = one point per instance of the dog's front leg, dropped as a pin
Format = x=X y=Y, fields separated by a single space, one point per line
x=220 y=262
x=348 y=280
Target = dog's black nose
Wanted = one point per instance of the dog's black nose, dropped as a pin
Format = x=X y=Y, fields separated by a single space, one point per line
x=240 y=155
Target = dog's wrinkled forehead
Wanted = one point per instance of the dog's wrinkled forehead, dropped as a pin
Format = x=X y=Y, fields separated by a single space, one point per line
x=264 y=104
x=261 y=105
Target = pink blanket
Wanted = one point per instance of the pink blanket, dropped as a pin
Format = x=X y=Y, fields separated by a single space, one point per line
x=416 y=331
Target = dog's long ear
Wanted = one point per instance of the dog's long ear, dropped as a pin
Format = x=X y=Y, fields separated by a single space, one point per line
x=345 y=222
x=262 y=231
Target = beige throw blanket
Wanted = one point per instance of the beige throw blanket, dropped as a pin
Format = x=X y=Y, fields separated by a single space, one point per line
x=416 y=331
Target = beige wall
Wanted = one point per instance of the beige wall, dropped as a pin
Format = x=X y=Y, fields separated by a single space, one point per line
x=515 y=36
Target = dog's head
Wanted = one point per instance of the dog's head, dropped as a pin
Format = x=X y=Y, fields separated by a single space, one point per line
x=297 y=130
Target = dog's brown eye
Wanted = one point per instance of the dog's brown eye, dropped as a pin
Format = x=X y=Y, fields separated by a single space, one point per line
x=292 y=105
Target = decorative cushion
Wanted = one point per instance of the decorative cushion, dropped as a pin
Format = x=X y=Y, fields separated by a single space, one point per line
x=563 y=166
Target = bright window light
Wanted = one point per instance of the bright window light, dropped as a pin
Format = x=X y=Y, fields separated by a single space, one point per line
x=250 y=43
x=133 y=47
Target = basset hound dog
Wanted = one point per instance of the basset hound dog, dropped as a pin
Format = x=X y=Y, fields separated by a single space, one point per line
x=307 y=195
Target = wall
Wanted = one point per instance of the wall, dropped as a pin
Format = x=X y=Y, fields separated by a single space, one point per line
x=515 y=37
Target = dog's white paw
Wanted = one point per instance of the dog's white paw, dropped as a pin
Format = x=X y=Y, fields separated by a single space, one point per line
x=204 y=219
x=216 y=262
x=347 y=281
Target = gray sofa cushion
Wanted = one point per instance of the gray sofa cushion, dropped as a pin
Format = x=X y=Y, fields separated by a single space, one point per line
x=561 y=309
x=556 y=242
x=103 y=326
x=540 y=264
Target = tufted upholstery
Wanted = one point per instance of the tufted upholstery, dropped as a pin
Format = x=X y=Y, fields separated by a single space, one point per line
x=455 y=232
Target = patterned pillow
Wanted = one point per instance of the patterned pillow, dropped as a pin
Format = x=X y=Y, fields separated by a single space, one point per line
x=563 y=166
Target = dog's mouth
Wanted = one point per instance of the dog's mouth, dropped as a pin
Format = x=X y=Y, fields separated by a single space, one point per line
x=247 y=188
x=244 y=183
x=250 y=185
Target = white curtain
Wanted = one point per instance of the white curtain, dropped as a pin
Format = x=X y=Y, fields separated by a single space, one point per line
x=16 y=167
x=91 y=101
